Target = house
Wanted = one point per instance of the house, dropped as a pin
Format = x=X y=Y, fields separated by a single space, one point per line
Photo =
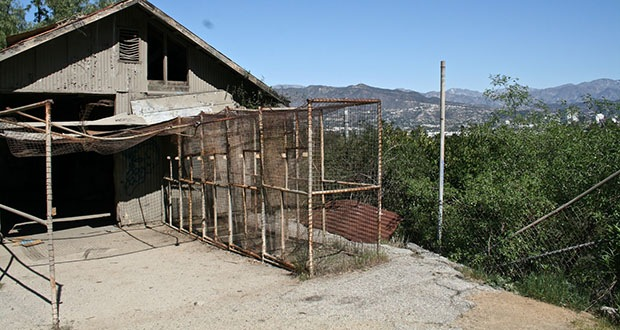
x=93 y=67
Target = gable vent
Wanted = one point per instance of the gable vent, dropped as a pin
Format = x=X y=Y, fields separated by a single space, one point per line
x=129 y=45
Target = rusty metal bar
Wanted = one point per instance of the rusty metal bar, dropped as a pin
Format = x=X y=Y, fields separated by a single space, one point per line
x=228 y=158
x=66 y=219
x=244 y=195
x=255 y=156
x=27 y=107
x=203 y=168
x=347 y=190
x=49 y=213
x=341 y=100
x=282 y=223
x=297 y=146
x=23 y=214
x=170 y=191
x=214 y=190
x=300 y=192
x=261 y=132
x=190 y=199
x=347 y=183
x=179 y=159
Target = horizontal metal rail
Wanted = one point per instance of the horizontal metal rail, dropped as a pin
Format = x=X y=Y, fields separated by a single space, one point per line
x=24 y=214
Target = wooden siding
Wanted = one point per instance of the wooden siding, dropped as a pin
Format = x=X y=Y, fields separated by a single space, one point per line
x=86 y=61
x=78 y=62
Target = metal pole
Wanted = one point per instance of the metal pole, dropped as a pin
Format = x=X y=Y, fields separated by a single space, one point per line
x=310 y=228
x=322 y=144
x=170 y=192
x=180 y=175
x=190 y=198
x=442 y=128
x=203 y=176
x=263 y=192
x=297 y=162
x=229 y=160
x=49 y=213
x=379 y=175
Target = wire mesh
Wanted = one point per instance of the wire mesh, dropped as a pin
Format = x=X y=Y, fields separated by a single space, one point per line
x=281 y=184
x=572 y=250
x=275 y=184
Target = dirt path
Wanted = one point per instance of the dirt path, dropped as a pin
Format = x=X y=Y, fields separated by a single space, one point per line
x=141 y=279
x=504 y=310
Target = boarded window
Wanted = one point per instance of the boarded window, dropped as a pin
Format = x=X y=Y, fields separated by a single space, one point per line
x=129 y=46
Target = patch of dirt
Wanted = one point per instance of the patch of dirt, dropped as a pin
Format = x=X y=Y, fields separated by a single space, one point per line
x=505 y=310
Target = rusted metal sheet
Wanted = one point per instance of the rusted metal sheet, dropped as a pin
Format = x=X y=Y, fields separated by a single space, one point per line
x=356 y=221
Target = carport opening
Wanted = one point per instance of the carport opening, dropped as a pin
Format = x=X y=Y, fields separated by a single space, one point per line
x=83 y=182
x=82 y=185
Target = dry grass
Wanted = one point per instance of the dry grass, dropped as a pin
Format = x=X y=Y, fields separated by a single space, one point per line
x=336 y=258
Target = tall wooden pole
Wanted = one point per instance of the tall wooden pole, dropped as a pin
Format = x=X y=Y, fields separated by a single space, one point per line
x=442 y=128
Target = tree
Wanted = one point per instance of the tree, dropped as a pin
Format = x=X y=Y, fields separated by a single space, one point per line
x=57 y=10
x=12 y=19
x=514 y=98
x=63 y=9
x=13 y=13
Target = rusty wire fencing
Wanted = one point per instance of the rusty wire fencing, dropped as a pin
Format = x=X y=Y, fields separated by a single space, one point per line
x=300 y=188
x=570 y=256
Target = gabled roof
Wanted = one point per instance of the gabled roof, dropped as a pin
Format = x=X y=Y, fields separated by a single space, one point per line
x=28 y=40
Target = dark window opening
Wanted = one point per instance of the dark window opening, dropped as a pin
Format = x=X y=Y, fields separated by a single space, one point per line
x=167 y=57
x=177 y=61
x=129 y=46
x=155 y=55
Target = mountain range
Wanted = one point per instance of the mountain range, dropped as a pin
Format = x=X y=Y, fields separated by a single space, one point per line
x=409 y=109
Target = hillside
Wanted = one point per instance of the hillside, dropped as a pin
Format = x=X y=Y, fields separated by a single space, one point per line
x=410 y=109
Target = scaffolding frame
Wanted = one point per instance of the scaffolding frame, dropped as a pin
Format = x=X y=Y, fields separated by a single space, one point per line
x=240 y=187
x=48 y=222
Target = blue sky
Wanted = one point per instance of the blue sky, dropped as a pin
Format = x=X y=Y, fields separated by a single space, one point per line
x=399 y=44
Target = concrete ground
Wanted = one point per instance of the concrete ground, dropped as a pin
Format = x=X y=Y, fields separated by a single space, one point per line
x=156 y=278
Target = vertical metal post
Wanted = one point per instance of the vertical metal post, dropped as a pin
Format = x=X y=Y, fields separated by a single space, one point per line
x=379 y=174
x=310 y=183
x=180 y=175
x=346 y=123
x=322 y=144
x=203 y=176
x=261 y=190
x=190 y=198
x=282 y=225
x=229 y=186
x=214 y=190
x=49 y=213
x=255 y=155
x=442 y=124
x=297 y=145
x=170 y=192
x=283 y=200
x=244 y=196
